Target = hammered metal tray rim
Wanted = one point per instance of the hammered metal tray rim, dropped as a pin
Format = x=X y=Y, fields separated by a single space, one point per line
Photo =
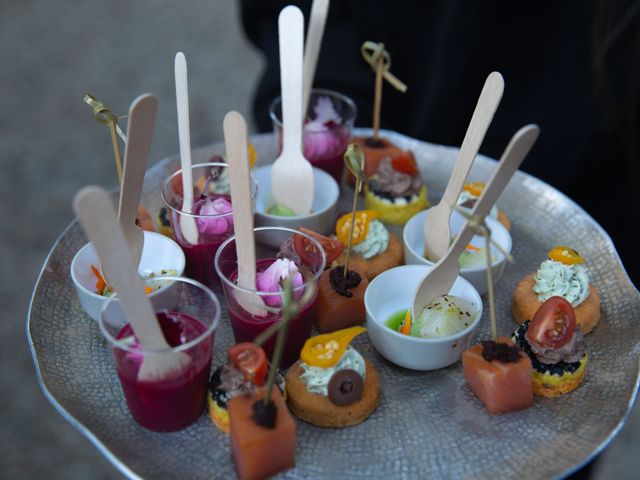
x=102 y=448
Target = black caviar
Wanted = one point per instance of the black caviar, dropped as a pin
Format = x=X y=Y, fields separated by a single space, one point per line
x=372 y=142
x=265 y=415
x=552 y=368
x=162 y=216
x=341 y=285
x=501 y=352
x=219 y=396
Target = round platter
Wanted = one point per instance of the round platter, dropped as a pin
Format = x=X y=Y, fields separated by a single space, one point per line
x=428 y=423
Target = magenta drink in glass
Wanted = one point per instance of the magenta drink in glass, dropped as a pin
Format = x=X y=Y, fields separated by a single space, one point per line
x=327 y=129
x=213 y=214
x=276 y=259
x=188 y=313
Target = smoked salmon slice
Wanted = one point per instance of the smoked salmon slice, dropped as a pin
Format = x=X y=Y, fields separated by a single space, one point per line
x=335 y=311
x=257 y=451
x=501 y=387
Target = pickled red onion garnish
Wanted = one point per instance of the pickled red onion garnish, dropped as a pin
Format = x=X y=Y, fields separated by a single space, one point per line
x=269 y=280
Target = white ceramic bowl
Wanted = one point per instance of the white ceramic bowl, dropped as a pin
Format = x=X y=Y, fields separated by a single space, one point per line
x=323 y=208
x=392 y=291
x=159 y=252
x=413 y=240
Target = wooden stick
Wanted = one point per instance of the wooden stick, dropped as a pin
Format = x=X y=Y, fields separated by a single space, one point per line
x=377 y=103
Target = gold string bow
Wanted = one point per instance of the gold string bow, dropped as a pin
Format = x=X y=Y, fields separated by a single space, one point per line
x=104 y=116
x=478 y=225
x=373 y=53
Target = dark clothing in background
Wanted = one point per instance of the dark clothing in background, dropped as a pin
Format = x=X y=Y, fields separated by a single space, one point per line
x=443 y=50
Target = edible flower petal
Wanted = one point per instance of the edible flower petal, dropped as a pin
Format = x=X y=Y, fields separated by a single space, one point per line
x=269 y=280
x=325 y=112
x=214 y=225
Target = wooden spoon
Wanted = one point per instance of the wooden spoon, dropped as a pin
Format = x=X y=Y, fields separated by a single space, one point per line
x=187 y=222
x=292 y=174
x=437 y=232
x=440 y=279
x=98 y=219
x=236 y=144
x=142 y=119
x=315 y=31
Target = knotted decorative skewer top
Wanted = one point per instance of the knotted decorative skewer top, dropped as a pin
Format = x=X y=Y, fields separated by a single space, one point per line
x=380 y=61
x=372 y=53
x=105 y=116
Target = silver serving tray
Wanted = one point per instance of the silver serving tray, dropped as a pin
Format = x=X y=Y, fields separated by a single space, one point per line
x=428 y=423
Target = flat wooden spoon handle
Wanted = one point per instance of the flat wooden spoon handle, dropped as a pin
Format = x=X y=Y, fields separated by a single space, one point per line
x=511 y=159
x=290 y=33
x=315 y=31
x=235 y=140
x=142 y=119
x=98 y=219
x=187 y=223
x=480 y=121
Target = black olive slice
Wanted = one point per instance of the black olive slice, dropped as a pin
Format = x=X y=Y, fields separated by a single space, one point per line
x=345 y=387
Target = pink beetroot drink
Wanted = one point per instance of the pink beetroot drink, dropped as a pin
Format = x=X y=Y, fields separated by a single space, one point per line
x=176 y=401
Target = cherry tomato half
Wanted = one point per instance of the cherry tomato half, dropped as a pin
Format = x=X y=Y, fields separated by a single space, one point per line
x=405 y=163
x=553 y=324
x=251 y=360
x=303 y=247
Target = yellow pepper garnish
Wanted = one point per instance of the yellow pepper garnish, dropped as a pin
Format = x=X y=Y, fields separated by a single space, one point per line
x=326 y=350
x=361 y=229
x=252 y=155
x=565 y=255
x=474 y=188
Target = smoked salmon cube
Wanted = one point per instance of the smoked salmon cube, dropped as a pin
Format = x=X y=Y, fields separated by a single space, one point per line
x=260 y=452
x=335 y=311
x=501 y=387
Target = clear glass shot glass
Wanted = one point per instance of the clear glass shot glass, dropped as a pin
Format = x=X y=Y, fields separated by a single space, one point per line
x=328 y=124
x=188 y=313
x=213 y=213
x=273 y=243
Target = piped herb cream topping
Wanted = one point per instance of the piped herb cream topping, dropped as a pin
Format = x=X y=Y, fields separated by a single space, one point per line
x=557 y=279
x=377 y=241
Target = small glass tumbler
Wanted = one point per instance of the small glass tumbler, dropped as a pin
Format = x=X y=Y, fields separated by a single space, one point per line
x=273 y=243
x=188 y=313
x=213 y=214
x=327 y=129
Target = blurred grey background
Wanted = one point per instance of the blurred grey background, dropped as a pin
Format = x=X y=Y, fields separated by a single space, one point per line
x=52 y=53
